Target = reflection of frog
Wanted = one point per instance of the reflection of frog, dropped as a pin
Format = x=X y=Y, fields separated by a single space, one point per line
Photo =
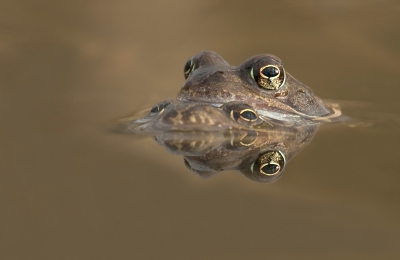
x=259 y=155
x=261 y=82
x=231 y=137
x=243 y=142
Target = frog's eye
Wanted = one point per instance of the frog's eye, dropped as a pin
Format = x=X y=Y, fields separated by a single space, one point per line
x=159 y=108
x=189 y=67
x=270 y=163
x=242 y=113
x=268 y=76
x=248 y=115
x=271 y=168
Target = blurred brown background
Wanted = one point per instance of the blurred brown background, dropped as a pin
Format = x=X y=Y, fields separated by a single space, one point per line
x=70 y=190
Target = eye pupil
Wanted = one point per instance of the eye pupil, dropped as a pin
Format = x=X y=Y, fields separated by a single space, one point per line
x=270 y=71
x=249 y=115
x=270 y=168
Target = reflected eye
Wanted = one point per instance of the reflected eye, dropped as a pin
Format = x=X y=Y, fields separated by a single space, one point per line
x=270 y=163
x=268 y=76
x=270 y=168
x=239 y=138
x=189 y=67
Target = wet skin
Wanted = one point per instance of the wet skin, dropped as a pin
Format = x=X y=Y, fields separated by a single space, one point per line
x=260 y=82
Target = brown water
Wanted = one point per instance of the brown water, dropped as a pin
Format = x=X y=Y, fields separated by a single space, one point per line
x=70 y=190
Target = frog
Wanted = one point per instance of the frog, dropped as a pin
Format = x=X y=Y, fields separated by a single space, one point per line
x=252 y=118
x=260 y=86
x=261 y=81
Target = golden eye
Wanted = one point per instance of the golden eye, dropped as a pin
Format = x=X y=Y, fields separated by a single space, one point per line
x=242 y=113
x=270 y=163
x=248 y=115
x=268 y=76
x=271 y=168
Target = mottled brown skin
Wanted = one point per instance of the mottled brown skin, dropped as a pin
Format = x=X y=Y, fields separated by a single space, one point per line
x=213 y=80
